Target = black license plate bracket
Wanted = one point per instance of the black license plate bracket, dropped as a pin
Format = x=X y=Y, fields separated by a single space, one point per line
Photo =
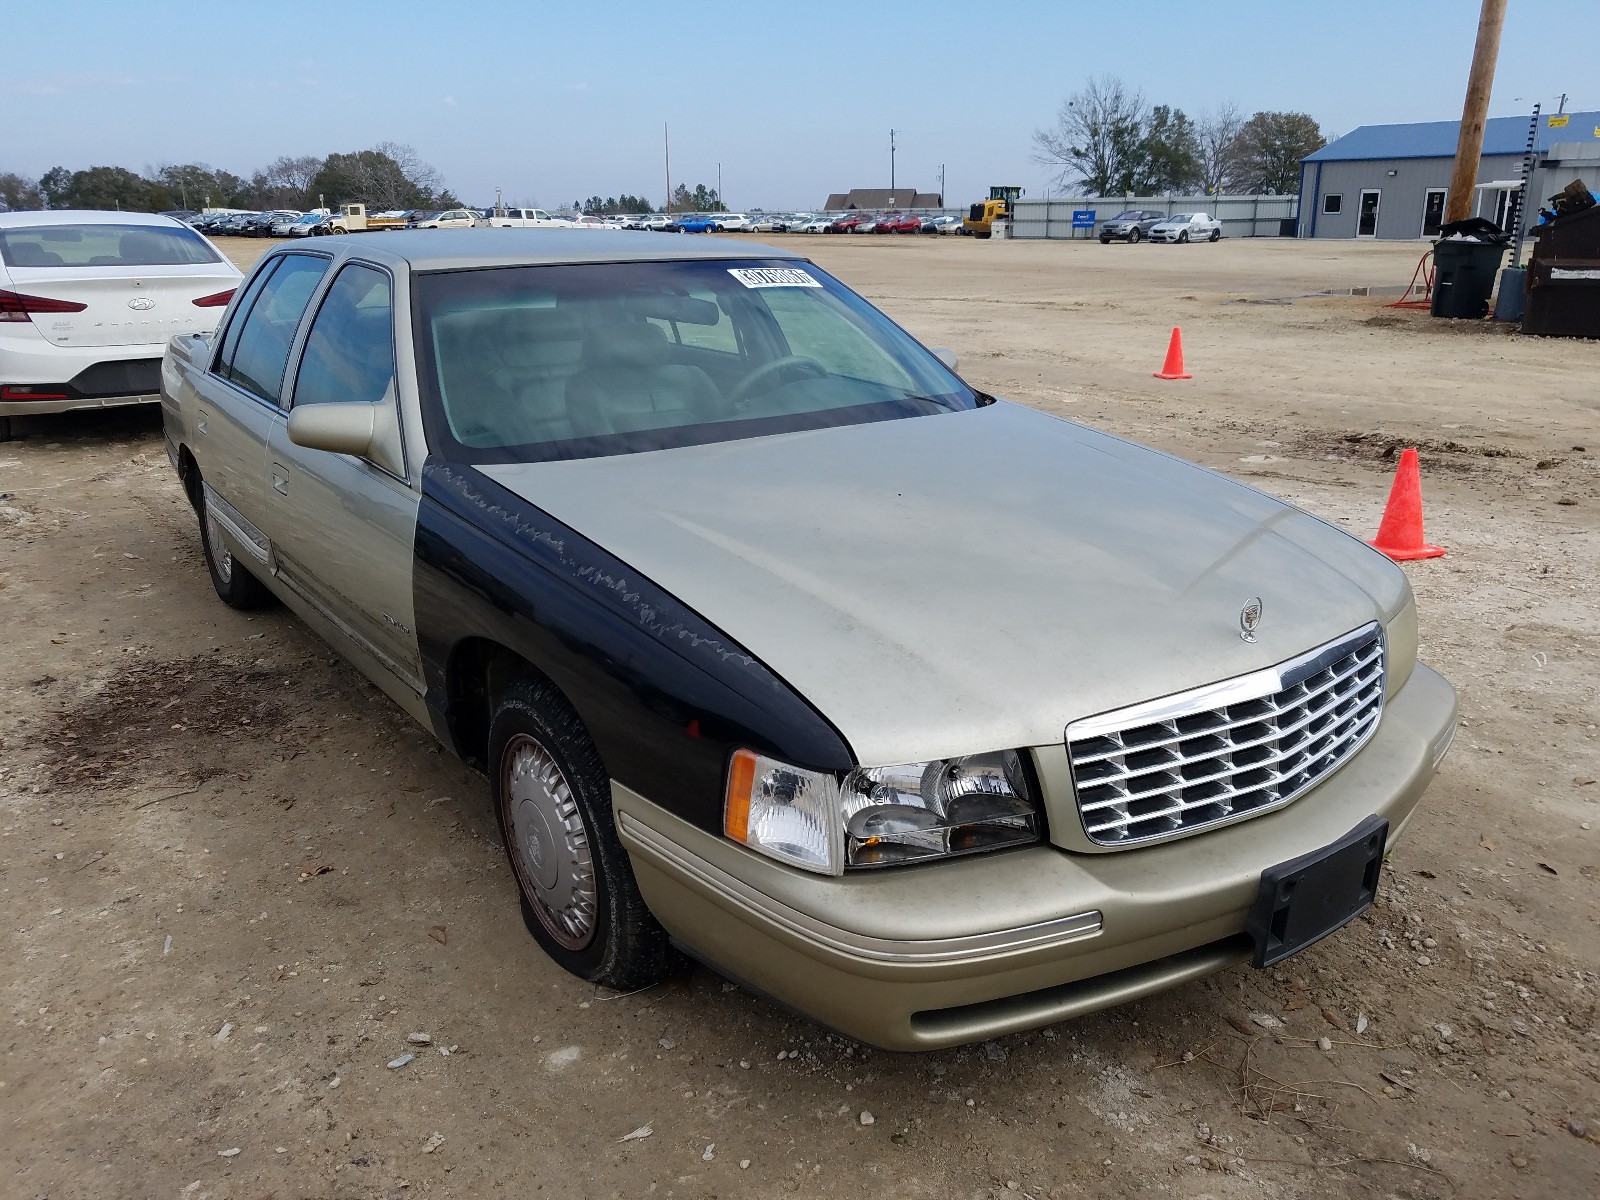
x=1302 y=901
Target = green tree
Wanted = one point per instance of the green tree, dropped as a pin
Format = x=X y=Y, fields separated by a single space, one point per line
x=387 y=176
x=197 y=185
x=55 y=185
x=18 y=194
x=1169 y=153
x=1265 y=156
x=1097 y=138
x=99 y=188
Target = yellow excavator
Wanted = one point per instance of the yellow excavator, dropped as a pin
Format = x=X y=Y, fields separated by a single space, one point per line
x=980 y=221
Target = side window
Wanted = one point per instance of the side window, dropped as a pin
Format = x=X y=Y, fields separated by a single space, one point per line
x=349 y=355
x=241 y=312
x=1333 y=202
x=257 y=358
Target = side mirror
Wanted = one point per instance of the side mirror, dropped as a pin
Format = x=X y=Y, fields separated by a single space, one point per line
x=367 y=431
x=947 y=357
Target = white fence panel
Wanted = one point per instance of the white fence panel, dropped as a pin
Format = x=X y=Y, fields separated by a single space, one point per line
x=1241 y=216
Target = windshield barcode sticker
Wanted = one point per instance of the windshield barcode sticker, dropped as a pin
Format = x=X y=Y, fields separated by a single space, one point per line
x=764 y=277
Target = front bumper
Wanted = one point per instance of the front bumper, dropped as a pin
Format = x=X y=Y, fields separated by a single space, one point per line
x=924 y=957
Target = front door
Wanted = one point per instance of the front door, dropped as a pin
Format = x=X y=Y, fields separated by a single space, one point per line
x=1367 y=215
x=343 y=527
x=1432 y=212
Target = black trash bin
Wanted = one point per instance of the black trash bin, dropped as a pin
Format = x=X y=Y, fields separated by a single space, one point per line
x=1463 y=278
x=1464 y=268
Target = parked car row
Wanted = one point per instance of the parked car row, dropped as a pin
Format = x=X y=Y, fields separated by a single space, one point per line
x=1136 y=224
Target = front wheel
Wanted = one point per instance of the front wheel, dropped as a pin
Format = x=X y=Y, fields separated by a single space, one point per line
x=1105 y=241
x=1183 y=237
x=553 y=800
x=1133 y=236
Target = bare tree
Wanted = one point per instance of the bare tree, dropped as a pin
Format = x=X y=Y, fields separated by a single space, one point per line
x=1096 y=138
x=18 y=194
x=424 y=178
x=1217 y=130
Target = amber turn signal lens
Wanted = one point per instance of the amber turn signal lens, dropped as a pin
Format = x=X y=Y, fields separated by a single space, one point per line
x=736 y=810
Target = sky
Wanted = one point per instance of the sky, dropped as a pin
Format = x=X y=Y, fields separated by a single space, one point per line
x=790 y=100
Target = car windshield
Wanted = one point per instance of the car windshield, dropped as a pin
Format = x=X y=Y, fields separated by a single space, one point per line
x=104 y=246
x=529 y=364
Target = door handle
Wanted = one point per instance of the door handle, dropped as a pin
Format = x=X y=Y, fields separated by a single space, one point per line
x=280 y=479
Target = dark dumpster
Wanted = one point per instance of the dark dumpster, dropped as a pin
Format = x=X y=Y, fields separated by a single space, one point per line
x=1564 y=271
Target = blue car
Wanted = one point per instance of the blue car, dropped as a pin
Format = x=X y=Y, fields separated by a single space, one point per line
x=695 y=223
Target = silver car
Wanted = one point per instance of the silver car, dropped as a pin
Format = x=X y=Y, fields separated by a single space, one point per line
x=933 y=716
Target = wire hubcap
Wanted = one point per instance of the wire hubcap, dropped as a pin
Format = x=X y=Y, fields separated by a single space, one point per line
x=221 y=556
x=549 y=844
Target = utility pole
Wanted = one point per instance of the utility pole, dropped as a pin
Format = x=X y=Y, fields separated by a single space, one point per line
x=666 y=160
x=891 y=160
x=719 y=185
x=941 y=186
x=1563 y=107
x=1475 y=110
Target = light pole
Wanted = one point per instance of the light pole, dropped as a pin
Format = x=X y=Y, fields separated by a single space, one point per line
x=719 y=185
x=891 y=160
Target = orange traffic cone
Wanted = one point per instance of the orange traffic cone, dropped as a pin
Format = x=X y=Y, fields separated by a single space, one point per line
x=1400 y=532
x=1173 y=367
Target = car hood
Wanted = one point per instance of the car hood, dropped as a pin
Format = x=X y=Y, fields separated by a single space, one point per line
x=970 y=581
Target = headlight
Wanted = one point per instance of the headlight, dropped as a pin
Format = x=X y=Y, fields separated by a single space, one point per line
x=880 y=816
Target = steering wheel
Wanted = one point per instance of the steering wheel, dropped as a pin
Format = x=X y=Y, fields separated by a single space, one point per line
x=752 y=383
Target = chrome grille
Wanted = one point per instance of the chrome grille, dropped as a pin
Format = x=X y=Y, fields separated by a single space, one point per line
x=1227 y=750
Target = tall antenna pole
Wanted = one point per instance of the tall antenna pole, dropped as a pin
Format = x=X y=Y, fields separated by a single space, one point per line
x=666 y=161
x=941 y=185
x=719 y=185
x=1475 y=110
x=891 y=160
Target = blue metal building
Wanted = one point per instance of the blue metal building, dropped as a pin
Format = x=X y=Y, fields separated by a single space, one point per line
x=1391 y=181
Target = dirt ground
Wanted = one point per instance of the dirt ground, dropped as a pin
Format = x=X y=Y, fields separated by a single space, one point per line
x=235 y=879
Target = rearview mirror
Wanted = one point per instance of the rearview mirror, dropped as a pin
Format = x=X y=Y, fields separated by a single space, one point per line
x=947 y=357
x=368 y=431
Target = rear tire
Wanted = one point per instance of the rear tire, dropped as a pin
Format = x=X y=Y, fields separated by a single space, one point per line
x=234 y=585
x=1216 y=236
x=7 y=430
x=552 y=797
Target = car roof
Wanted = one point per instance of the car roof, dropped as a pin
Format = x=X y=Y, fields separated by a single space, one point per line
x=463 y=249
x=85 y=216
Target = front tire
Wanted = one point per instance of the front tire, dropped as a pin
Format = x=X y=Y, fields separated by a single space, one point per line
x=1133 y=236
x=552 y=797
x=1183 y=237
x=234 y=585
x=1105 y=241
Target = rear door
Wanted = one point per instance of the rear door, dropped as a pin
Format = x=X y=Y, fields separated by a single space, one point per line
x=343 y=527
x=238 y=397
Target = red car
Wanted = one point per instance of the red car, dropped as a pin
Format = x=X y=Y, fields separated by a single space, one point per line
x=903 y=223
x=849 y=223
x=888 y=222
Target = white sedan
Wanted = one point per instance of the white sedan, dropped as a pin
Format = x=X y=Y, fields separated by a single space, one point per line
x=88 y=301
x=1187 y=227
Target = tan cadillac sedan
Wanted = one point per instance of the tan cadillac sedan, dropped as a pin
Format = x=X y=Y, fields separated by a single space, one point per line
x=927 y=714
